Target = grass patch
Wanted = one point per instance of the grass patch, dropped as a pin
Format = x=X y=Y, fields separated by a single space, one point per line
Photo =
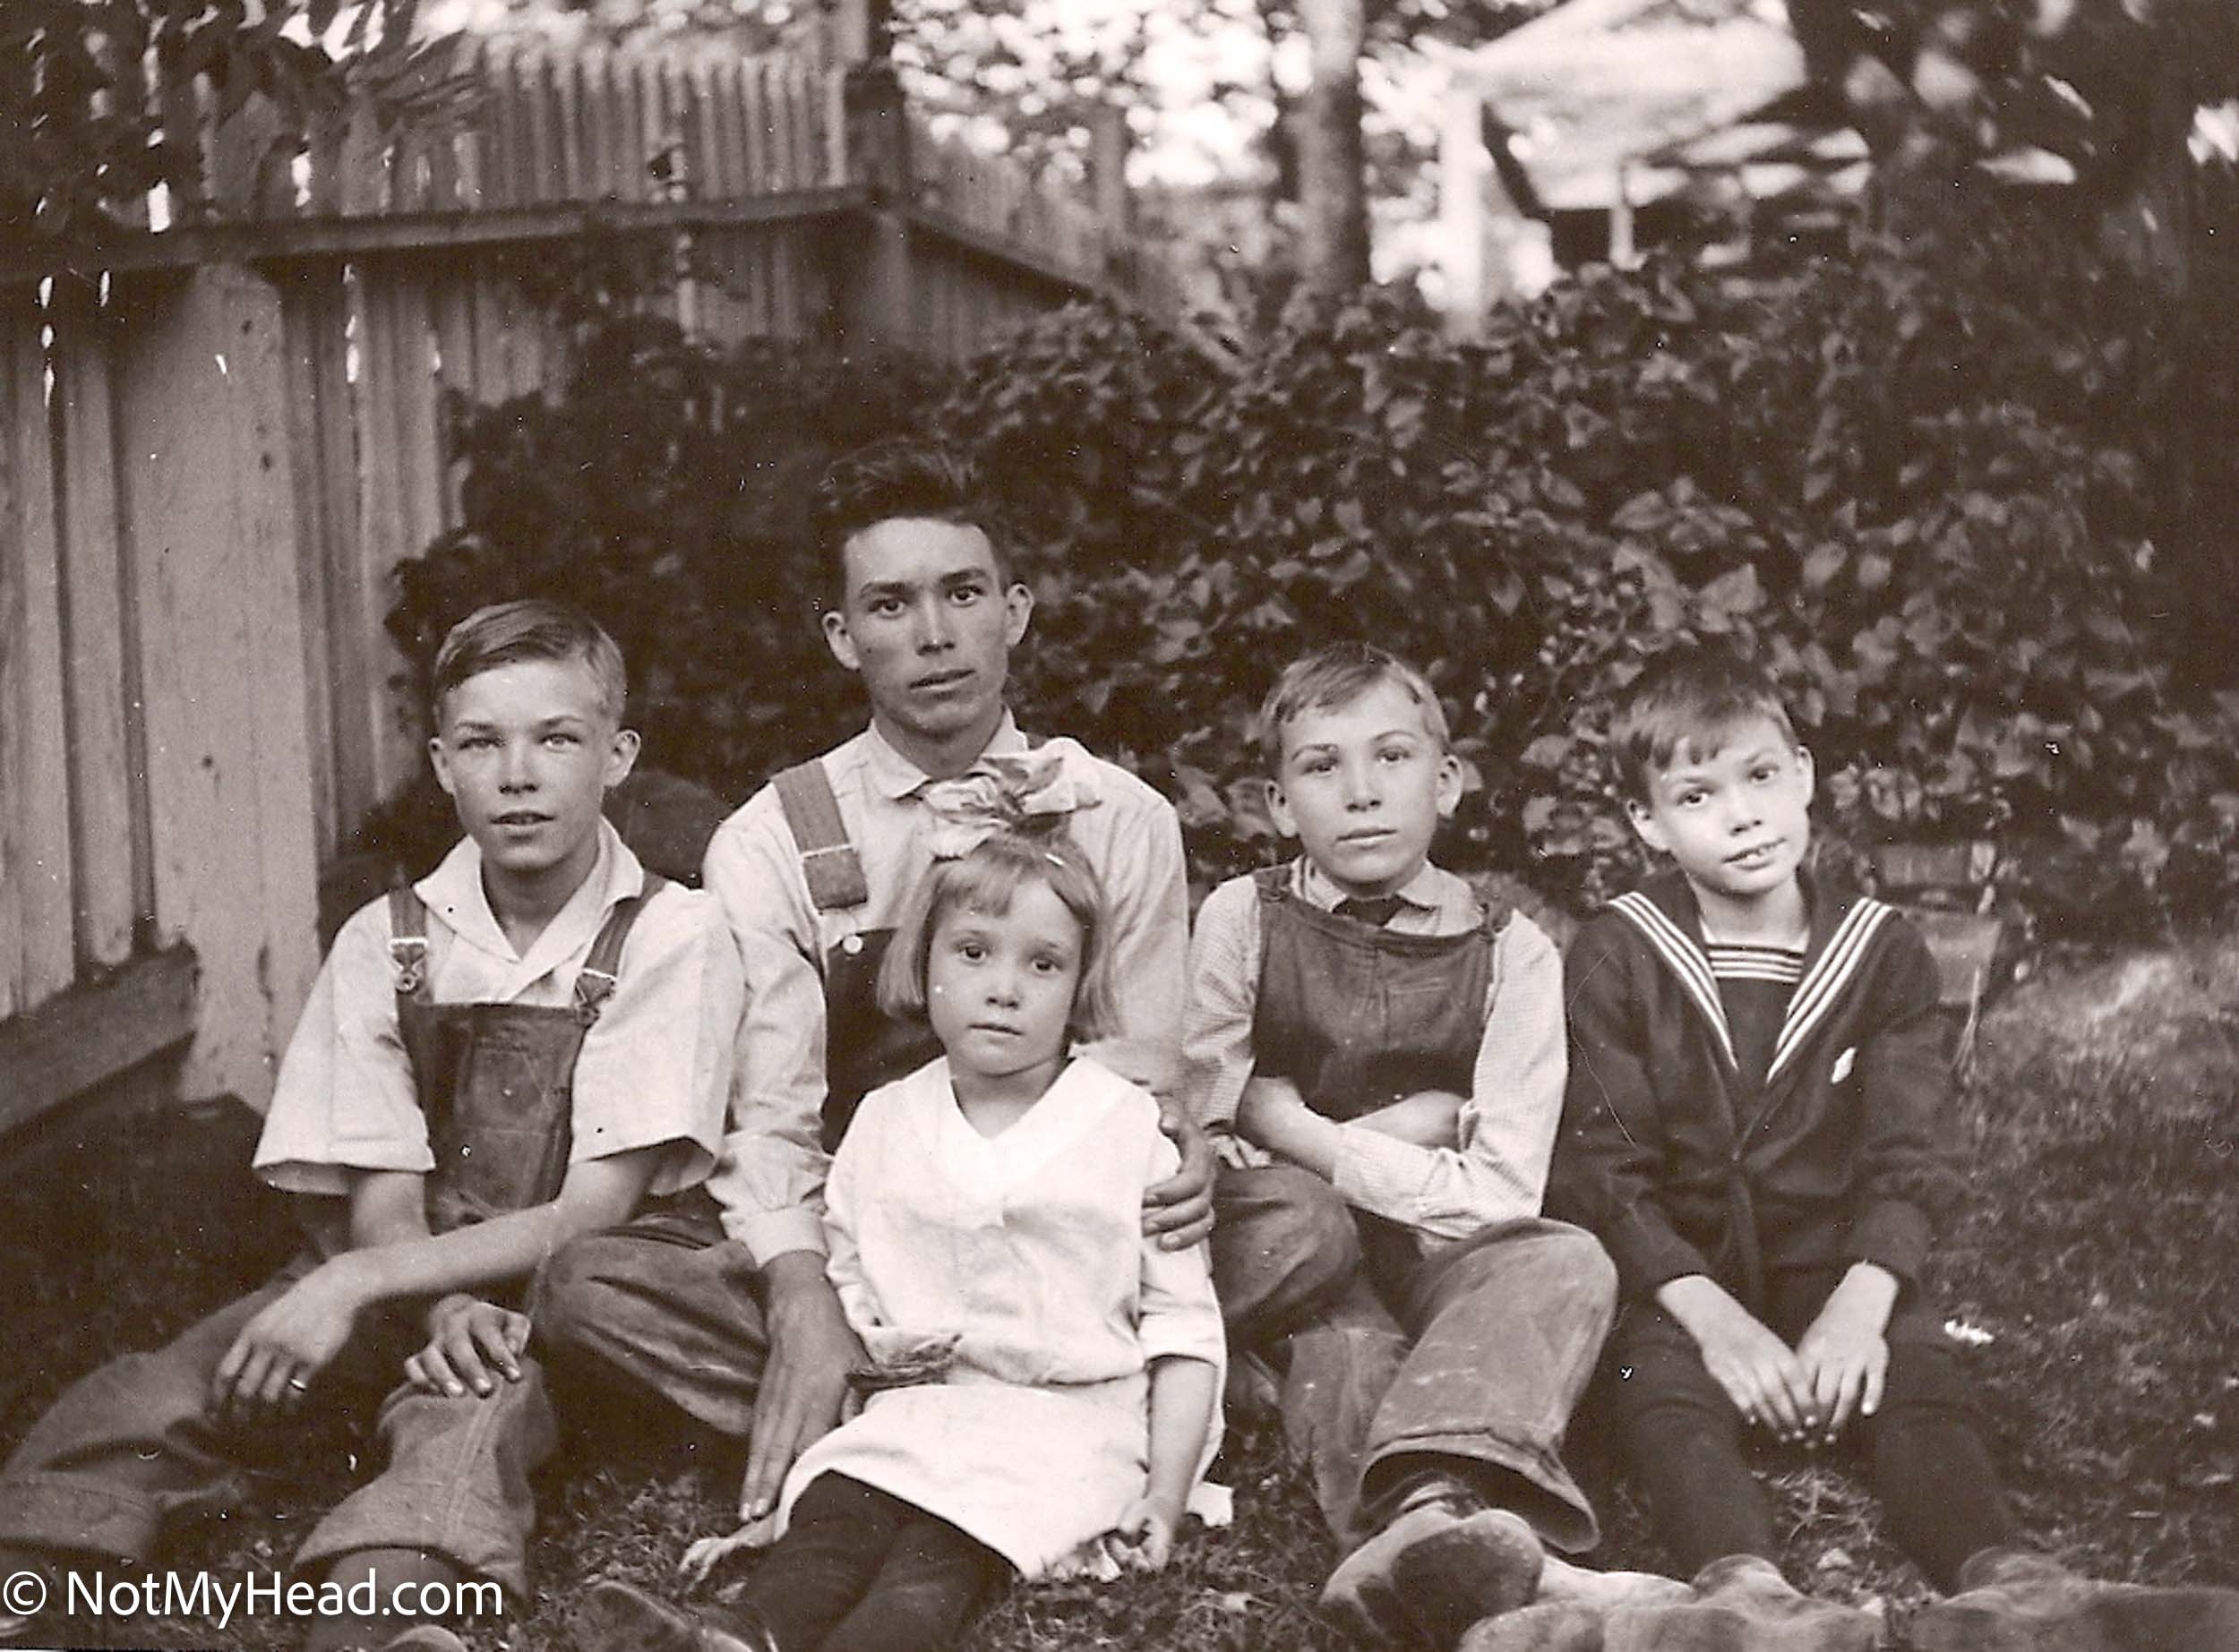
x=2095 y=1257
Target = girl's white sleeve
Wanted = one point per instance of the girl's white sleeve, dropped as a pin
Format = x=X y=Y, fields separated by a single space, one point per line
x=843 y=1263
x=1177 y=1315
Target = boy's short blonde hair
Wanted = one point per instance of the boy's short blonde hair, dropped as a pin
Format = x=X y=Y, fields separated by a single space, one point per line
x=985 y=880
x=1333 y=678
x=533 y=629
x=1688 y=695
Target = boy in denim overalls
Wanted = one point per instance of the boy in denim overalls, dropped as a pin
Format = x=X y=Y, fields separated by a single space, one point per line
x=525 y=1046
x=1390 y=1054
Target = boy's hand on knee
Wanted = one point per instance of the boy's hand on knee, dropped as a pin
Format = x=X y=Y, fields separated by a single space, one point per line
x=467 y=1339
x=1845 y=1352
x=1179 y=1211
x=1766 y=1382
x=273 y=1362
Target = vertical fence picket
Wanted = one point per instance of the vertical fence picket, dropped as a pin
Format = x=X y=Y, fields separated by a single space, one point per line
x=37 y=944
x=103 y=759
x=452 y=300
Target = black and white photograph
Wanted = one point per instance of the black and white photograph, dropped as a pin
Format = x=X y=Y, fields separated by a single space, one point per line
x=1184 y=826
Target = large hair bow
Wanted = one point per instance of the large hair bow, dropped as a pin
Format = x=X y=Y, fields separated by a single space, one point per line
x=1015 y=791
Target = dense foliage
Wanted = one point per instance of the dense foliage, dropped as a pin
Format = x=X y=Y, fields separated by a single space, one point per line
x=1931 y=494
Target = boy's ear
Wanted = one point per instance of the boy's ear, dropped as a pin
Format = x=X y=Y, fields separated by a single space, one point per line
x=439 y=760
x=1449 y=785
x=1279 y=810
x=1644 y=825
x=838 y=640
x=621 y=756
x=1018 y=607
x=1811 y=772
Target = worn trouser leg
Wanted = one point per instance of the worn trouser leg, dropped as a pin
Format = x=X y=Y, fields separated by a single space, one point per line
x=660 y=1306
x=1342 y=1365
x=131 y=1446
x=1506 y=1326
x=1925 y=1449
x=1681 y=1437
x=455 y=1484
x=1284 y=1244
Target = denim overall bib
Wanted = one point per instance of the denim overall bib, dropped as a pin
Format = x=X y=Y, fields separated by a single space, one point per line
x=497 y=1082
x=1359 y=1018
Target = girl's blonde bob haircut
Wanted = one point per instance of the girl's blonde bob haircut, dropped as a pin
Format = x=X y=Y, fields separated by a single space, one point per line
x=983 y=881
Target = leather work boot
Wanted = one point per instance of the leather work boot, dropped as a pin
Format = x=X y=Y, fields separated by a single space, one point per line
x=1742 y=1603
x=2012 y=1600
x=1443 y=1564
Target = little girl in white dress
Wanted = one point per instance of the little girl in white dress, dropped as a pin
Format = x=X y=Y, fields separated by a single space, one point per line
x=1042 y=1378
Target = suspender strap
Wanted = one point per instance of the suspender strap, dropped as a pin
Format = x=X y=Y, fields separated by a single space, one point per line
x=407 y=945
x=829 y=861
x=594 y=981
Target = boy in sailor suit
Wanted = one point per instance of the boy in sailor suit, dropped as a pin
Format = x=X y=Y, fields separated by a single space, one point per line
x=1756 y=1127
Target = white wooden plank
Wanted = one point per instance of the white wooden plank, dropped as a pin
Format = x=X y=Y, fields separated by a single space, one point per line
x=218 y=613
x=37 y=950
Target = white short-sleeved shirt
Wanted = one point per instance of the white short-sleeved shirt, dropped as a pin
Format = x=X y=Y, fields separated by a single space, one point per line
x=655 y=1067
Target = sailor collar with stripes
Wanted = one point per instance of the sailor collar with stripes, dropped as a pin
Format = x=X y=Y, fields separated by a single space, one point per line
x=1841 y=937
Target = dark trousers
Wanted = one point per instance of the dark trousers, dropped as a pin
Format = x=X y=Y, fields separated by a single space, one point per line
x=859 y=1571
x=1922 y=1450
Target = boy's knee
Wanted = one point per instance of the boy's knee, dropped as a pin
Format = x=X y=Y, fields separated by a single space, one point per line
x=1284 y=1244
x=1925 y=1375
x=576 y=1291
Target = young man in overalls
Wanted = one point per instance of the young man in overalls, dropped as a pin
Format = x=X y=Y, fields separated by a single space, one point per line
x=525 y=1046
x=1389 y=1054
x=746 y=1335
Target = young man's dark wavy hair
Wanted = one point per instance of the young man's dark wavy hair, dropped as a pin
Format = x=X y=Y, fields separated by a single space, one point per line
x=903 y=477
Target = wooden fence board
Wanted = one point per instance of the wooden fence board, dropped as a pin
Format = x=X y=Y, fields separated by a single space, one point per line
x=388 y=512
x=453 y=299
x=36 y=893
x=103 y=761
x=81 y=1037
x=326 y=693
x=411 y=342
x=216 y=595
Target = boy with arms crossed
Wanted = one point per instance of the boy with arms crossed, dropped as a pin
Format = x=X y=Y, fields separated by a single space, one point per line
x=1391 y=1053
x=522 y=1047
x=1757 y=1127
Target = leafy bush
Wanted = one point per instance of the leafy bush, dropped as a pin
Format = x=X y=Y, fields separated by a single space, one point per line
x=1927 y=486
